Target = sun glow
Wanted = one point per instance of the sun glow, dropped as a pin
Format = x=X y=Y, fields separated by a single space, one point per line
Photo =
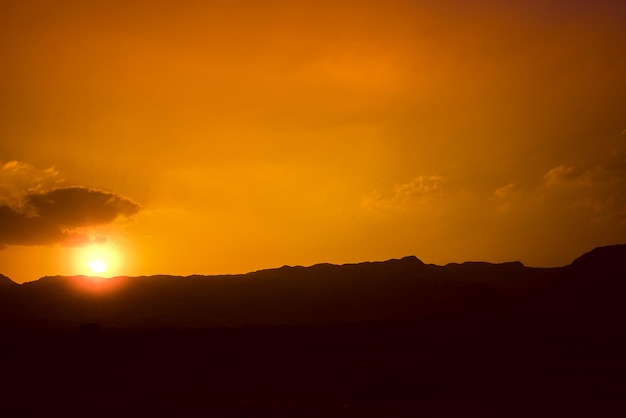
x=98 y=266
x=98 y=259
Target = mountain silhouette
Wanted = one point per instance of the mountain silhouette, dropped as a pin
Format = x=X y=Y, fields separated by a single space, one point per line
x=609 y=260
x=394 y=338
x=390 y=291
x=6 y=282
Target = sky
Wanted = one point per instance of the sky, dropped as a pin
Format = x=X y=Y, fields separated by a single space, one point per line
x=210 y=137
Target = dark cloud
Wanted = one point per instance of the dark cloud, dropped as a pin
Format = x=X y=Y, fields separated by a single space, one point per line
x=56 y=216
x=77 y=206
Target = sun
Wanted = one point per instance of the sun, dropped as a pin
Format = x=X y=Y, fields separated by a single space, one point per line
x=97 y=266
x=98 y=259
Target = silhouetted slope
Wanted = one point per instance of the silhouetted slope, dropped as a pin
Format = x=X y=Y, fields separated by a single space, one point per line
x=8 y=294
x=595 y=283
x=389 y=291
x=6 y=282
x=609 y=260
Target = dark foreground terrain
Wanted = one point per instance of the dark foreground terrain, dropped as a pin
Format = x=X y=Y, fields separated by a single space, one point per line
x=470 y=339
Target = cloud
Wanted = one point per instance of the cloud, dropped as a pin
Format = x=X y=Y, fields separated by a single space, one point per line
x=79 y=206
x=505 y=194
x=603 y=167
x=561 y=175
x=32 y=213
x=505 y=191
x=59 y=215
x=408 y=194
x=598 y=186
x=587 y=180
x=17 y=179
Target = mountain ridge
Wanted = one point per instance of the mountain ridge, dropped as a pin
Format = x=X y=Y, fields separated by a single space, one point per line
x=403 y=289
x=6 y=281
x=610 y=257
x=610 y=254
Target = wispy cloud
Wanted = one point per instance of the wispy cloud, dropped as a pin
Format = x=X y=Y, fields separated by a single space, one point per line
x=406 y=195
x=505 y=194
x=598 y=185
x=17 y=179
x=561 y=175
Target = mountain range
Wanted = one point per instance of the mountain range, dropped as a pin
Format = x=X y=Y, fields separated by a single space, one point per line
x=397 y=338
x=393 y=291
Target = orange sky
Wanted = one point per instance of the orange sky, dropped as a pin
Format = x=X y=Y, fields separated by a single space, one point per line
x=229 y=136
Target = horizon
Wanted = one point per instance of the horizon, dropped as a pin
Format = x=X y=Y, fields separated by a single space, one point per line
x=215 y=137
x=117 y=276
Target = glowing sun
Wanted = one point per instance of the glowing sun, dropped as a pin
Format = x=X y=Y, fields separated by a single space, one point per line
x=97 y=266
x=98 y=259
